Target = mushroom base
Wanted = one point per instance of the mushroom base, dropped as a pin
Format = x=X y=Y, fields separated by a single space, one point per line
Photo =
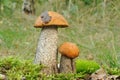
x=46 y=53
x=67 y=65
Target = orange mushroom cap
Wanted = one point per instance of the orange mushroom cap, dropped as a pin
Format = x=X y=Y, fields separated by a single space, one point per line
x=69 y=49
x=56 y=19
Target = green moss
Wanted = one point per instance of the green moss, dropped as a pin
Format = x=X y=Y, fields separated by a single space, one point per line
x=61 y=76
x=16 y=69
x=113 y=71
x=86 y=66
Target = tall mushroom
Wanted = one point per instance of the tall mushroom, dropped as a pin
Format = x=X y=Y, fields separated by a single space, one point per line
x=68 y=51
x=46 y=53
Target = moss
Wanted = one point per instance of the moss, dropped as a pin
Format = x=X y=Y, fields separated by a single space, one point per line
x=16 y=69
x=86 y=66
x=113 y=71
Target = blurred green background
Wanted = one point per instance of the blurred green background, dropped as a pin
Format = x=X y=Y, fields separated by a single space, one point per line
x=94 y=27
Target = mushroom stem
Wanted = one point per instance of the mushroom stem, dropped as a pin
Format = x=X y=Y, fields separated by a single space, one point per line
x=46 y=52
x=67 y=65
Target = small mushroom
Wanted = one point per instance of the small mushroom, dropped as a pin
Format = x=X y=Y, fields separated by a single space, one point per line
x=68 y=51
x=46 y=53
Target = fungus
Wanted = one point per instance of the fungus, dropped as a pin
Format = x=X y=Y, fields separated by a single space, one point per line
x=46 y=53
x=68 y=51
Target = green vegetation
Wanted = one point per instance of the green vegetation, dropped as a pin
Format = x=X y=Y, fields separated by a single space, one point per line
x=16 y=69
x=94 y=27
x=113 y=71
x=86 y=66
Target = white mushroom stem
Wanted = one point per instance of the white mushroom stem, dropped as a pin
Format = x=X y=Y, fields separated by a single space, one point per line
x=67 y=65
x=46 y=53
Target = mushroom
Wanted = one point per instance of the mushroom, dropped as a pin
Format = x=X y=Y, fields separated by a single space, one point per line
x=68 y=51
x=46 y=53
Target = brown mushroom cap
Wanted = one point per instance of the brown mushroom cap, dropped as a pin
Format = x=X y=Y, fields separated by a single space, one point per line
x=56 y=19
x=69 y=49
